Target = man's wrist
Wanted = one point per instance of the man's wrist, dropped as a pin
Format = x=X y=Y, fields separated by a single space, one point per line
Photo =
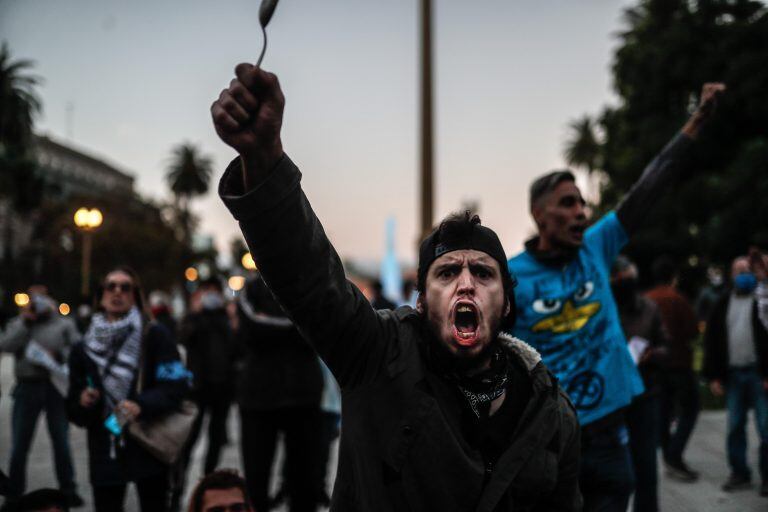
x=257 y=166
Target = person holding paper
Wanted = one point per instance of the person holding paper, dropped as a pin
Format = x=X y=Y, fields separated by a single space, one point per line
x=647 y=340
x=41 y=339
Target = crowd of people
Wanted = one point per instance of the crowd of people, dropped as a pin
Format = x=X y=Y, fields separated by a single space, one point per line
x=546 y=381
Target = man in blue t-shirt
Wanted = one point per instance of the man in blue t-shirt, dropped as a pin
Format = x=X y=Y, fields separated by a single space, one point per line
x=565 y=308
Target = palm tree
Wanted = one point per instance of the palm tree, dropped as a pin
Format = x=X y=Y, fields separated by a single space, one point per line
x=19 y=104
x=189 y=174
x=582 y=149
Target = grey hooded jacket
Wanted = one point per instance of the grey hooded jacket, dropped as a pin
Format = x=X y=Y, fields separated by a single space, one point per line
x=54 y=333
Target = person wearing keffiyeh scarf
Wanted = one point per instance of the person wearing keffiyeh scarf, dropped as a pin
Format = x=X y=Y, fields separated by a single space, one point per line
x=115 y=347
x=122 y=347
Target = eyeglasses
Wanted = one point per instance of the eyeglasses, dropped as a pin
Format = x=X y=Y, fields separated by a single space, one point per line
x=113 y=286
x=232 y=507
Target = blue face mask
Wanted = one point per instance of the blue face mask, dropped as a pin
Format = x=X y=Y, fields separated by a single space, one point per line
x=745 y=283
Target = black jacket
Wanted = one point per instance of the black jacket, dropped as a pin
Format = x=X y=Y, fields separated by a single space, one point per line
x=160 y=394
x=716 y=360
x=401 y=446
x=211 y=350
x=281 y=369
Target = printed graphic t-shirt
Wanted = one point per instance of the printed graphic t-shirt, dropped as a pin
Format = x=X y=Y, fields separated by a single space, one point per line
x=569 y=315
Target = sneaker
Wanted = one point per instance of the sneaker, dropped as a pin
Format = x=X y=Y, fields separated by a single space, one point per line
x=764 y=489
x=737 y=483
x=680 y=471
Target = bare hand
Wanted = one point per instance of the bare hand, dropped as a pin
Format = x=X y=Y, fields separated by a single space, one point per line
x=89 y=397
x=710 y=95
x=129 y=410
x=716 y=387
x=248 y=116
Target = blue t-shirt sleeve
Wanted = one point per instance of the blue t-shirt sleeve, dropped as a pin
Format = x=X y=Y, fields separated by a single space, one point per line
x=606 y=237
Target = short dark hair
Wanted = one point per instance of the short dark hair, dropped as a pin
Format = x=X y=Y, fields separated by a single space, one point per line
x=545 y=184
x=664 y=270
x=221 y=479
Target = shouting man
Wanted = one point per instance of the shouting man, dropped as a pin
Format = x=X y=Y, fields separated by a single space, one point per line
x=566 y=310
x=441 y=410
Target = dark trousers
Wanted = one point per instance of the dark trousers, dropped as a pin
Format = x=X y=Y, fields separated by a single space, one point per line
x=607 y=478
x=679 y=399
x=216 y=402
x=30 y=398
x=329 y=432
x=642 y=423
x=153 y=496
x=744 y=390
x=302 y=435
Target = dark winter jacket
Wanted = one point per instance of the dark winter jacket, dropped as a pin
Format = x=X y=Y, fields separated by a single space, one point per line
x=642 y=319
x=211 y=350
x=164 y=387
x=402 y=446
x=716 y=361
x=281 y=369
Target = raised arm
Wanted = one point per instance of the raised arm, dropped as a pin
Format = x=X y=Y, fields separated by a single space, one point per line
x=262 y=190
x=664 y=170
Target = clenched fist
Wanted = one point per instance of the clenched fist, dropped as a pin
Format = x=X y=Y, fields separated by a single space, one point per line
x=710 y=94
x=248 y=116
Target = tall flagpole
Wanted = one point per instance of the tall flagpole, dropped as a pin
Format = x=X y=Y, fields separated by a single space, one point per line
x=426 y=119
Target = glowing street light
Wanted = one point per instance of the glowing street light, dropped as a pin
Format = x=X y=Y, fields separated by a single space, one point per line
x=236 y=283
x=190 y=274
x=87 y=220
x=247 y=261
x=64 y=308
x=21 y=299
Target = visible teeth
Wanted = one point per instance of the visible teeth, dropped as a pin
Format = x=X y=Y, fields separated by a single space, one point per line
x=464 y=309
x=466 y=334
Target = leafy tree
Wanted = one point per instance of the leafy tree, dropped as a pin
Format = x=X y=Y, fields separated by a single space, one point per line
x=20 y=103
x=583 y=150
x=189 y=174
x=20 y=185
x=667 y=50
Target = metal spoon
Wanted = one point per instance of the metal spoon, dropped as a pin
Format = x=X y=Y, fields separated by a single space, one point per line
x=266 y=10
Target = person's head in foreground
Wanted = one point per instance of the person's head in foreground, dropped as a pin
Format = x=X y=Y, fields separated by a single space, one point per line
x=465 y=288
x=220 y=491
x=559 y=211
x=42 y=500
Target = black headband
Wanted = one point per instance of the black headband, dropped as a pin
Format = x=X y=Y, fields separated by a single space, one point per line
x=470 y=235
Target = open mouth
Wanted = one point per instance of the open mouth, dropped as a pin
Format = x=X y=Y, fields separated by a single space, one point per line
x=578 y=230
x=465 y=324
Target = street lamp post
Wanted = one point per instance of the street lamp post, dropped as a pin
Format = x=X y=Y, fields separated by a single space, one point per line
x=87 y=221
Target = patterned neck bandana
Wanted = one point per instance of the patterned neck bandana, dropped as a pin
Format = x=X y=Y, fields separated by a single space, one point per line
x=485 y=387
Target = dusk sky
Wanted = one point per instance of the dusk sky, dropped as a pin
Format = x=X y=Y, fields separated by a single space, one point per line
x=509 y=76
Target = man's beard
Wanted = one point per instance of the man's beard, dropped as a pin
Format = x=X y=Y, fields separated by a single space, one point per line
x=460 y=361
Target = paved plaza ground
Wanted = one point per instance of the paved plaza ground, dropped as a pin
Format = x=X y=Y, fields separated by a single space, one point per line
x=706 y=453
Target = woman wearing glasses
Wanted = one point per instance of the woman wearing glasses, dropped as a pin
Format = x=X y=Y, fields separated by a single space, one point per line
x=120 y=346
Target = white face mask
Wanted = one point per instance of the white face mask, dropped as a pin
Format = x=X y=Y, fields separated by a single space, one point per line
x=212 y=300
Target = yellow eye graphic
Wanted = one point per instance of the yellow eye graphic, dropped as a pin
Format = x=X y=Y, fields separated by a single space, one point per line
x=545 y=306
